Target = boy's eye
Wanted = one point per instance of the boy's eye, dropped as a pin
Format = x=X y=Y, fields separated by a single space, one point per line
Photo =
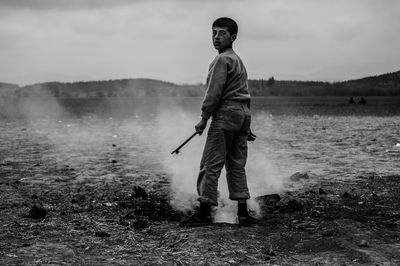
x=220 y=33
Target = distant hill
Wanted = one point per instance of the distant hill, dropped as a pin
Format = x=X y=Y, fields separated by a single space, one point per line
x=379 y=85
x=110 y=88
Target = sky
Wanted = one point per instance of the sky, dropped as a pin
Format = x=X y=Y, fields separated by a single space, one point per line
x=78 y=40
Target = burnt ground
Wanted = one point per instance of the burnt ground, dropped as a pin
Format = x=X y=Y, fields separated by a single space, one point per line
x=120 y=221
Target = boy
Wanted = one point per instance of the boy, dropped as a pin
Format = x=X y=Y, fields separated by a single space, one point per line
x=227 y=101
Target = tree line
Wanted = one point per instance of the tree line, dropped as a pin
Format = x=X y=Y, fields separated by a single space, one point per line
x=380 y=85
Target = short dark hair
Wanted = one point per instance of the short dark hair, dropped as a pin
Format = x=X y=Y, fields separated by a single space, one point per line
x=228 y=23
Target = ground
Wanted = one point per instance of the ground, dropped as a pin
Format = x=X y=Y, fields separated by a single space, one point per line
x=129 y=222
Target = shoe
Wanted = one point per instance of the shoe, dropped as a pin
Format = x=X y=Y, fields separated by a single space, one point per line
x=247 y=220
x=196 y=219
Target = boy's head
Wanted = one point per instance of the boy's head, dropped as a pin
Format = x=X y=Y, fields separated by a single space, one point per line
x=224 y=31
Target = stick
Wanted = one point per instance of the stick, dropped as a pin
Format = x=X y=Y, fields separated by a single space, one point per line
x=183 y=144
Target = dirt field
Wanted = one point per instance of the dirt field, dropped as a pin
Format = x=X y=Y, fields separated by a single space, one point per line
x=129 y=222
x=102 y=197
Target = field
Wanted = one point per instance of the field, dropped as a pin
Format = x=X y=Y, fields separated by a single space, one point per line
x=113 y=193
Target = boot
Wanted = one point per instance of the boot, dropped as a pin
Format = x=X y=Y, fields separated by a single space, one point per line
x=202 y=217
x=245 y=219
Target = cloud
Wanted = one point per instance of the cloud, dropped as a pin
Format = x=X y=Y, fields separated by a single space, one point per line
x=171 y=39
x=63 y=4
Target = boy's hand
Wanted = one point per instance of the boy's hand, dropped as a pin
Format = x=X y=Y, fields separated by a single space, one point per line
x=201 y=126
x=251 y=136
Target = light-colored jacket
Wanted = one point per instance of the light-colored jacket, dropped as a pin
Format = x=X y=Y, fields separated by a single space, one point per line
x=226 y=80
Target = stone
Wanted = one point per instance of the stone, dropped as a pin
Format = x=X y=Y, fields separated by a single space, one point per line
x=298 y=176
x=363 y=243
x=269 y=199
x=139 y=192
x=37 y=212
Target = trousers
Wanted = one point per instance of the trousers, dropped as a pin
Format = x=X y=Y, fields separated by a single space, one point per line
x=226 y=145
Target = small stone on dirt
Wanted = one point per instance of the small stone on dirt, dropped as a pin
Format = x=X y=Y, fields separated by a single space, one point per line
x=114 y=145
x=364 y=244
x=299 y=175
x=113 y=161
x=37 y=212
x=321 y=191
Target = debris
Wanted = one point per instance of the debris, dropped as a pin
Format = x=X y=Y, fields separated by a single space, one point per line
x=321 y=191
x=113 y=161
x=37 y=212
x=299 y=175
x=114 y=145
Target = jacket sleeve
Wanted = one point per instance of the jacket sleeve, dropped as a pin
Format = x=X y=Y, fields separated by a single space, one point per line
x=215 y=87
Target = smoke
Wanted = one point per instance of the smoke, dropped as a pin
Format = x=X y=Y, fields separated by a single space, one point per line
x=137 y=141
x=32 y=103
x=175 y=126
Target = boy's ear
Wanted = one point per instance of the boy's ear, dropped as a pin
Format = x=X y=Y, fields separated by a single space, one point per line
x=233 y=37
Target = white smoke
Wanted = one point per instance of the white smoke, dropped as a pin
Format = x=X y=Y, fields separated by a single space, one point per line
x=175 y=126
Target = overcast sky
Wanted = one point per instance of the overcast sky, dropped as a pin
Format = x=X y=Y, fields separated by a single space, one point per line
x=67 y=40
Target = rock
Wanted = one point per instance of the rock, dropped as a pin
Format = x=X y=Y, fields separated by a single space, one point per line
x=114 y=145
x=299 y=175
x=139 y=192
x=321 y=191
x=269 y=199
x=364 y=244
x=37 y=212
x=101 y=234
x=113 y=161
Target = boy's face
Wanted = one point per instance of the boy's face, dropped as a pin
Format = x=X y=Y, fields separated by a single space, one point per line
x=221 y=38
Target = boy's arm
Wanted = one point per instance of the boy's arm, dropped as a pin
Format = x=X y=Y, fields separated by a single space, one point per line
x=215 y=88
